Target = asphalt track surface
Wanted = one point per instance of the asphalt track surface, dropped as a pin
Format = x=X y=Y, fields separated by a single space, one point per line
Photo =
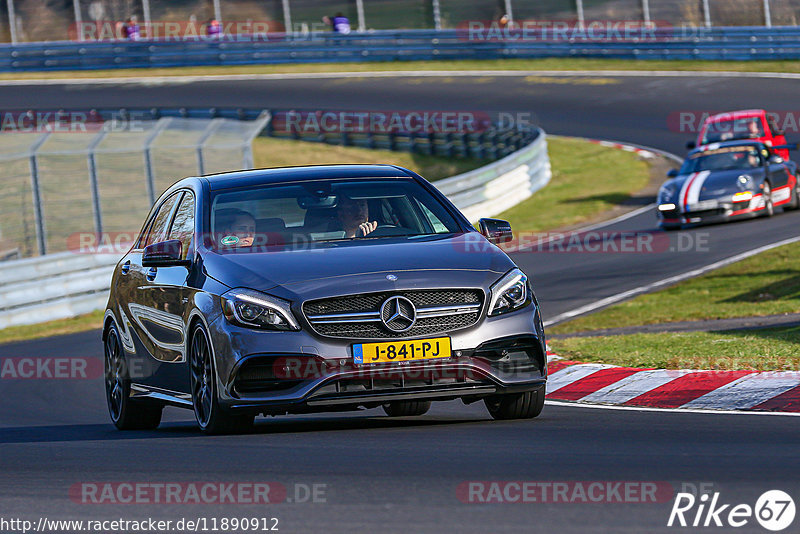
x=402 y=475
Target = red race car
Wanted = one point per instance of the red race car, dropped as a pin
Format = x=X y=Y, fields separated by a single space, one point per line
x=750 y=124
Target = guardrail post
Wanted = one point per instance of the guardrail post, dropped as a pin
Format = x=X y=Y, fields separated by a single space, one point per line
x=218 y=12
x=212 y=127
x=95 y=189
x=437 y=14
x=148 y=157
x=287 y=17
x=646 y=11
x=12 y=21
x=76 y=6
x=579 y=8
x=767 y=15
x=146 y=13
x=362 y=25
x=36 y=194
x=706 y=13
x=509 y=11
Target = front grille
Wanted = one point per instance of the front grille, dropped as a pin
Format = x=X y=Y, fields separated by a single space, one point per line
x=359 y=316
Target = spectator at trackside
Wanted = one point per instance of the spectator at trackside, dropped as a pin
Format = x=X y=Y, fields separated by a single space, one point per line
x=131 y=29
x=339 y=23
x=213 y=29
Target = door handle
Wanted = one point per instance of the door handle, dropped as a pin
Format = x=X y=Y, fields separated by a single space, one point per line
x=151 y=274
x=126 y=267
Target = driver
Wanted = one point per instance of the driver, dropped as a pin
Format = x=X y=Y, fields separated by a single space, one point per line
x=238 y=228
x=354 y=216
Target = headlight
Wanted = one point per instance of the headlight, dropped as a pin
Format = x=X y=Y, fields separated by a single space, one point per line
x=254 y=309
x=745 y=182
x=510 y=293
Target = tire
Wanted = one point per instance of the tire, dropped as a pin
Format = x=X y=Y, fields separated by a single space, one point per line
x=795 y=203
x=211 y=417
x=126 y=413
x=406 y=408
x=670 y=227
x=516 y=405
x=769 y=207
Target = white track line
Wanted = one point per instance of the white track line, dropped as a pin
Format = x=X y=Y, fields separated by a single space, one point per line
x=665 y=282
x=665 y=410
x=178 y=79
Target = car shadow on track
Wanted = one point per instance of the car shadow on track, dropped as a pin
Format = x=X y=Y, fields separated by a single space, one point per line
x=106 y=432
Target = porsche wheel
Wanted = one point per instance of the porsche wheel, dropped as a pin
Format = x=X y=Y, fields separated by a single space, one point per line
x=769 y=207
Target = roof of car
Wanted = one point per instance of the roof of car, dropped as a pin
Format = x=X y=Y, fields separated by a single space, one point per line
x=309 y=172
x=735 y=115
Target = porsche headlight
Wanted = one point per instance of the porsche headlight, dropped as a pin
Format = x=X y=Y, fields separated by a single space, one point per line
x=745 y=182
x=247 y=307
x=510 y=293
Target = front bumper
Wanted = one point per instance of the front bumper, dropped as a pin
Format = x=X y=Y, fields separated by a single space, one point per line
x=298 y=372
x=712 y=212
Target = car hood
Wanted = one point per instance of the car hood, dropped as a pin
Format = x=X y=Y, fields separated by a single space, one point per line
x=349 y=266
x=707 y=185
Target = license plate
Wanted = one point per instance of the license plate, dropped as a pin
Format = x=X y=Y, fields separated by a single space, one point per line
x=704 y=205
x=402 y=351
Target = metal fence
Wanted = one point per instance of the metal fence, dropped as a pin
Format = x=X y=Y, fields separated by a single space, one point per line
x=40 y=20
x=75 y=177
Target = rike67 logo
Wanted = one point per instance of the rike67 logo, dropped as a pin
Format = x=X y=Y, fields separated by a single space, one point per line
x=774 y=510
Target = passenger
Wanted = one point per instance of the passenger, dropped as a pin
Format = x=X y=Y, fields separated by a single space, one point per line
x=354 y=216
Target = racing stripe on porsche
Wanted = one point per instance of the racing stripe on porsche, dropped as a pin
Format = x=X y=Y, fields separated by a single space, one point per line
x=690 y=194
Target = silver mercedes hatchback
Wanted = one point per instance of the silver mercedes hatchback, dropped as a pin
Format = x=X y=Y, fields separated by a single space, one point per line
x=310 y=289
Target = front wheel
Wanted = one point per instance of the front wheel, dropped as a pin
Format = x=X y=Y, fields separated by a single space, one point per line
x=516 y=405
x=126 y=413
x=211 y=417
x=769 y=207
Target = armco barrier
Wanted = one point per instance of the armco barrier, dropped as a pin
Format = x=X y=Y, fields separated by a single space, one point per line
x=740 y=43
x=56 y=286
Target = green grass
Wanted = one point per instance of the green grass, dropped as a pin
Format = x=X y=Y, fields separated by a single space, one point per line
x=773 y=349
x=556 y=64
x=81 y=323
x=765 y=284
x=588 y=179
x=270 y=152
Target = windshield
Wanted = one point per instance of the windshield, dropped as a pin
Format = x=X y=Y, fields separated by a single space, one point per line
x=722 y=159
x=325 y=211
x=729 y=130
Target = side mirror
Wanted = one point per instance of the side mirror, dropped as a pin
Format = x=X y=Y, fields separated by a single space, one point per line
x=496 y=230
x=774 y=158
x=672 y=173
x=164 y=254
x=691 y=145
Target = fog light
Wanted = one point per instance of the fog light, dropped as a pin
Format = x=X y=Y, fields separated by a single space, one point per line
x=667 y=207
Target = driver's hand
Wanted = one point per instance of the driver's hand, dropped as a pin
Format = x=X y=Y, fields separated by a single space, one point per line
x=367 y=227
